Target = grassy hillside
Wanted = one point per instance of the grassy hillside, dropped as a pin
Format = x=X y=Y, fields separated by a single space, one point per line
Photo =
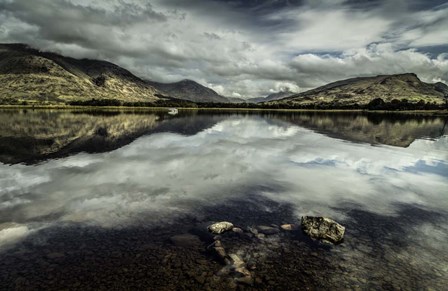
x=30 y=76
x=360 y=92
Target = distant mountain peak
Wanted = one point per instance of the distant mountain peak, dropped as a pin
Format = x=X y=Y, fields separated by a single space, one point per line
x=273 y=96
x=189 y=90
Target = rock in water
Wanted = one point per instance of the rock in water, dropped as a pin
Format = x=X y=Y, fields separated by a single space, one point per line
x=220 y=251
x=323 y=228
x=237 y=230
x=220 y=227
x=289 y=227
x=241 y=273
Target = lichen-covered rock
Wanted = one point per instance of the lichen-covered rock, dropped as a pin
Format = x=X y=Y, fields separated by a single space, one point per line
x=323 y=228
x=220 y=227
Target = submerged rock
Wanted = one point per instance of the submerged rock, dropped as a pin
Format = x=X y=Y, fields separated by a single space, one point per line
x=220 y=227
x=237 y=230
x=323 y=228
x=219 y=250
x=241 y=273
x=289 y=227
x=252 y=230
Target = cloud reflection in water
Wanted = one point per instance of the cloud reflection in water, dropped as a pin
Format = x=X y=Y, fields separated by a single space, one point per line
x=161 y=175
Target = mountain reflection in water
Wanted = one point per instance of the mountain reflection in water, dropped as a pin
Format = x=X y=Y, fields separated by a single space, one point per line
x=33 y=135
x=102 y=217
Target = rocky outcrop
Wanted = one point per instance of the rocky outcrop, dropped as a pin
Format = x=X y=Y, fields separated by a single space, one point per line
x=323 y=228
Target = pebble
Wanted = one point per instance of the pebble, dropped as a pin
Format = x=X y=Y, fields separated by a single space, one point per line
x=289 y=227
x=237 y=230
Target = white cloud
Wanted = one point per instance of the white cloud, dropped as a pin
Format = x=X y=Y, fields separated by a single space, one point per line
x=331 y=29
x=374 y=60
x=12 y=233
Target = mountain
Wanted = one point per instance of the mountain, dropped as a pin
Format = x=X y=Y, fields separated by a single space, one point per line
x=31 y=76
x=188 y=90
x=365 y=91
x=271 y=97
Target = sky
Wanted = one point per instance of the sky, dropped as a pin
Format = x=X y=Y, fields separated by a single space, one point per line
x=241 y=48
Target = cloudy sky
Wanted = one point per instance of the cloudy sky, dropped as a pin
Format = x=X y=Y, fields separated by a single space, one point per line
x=242 y=48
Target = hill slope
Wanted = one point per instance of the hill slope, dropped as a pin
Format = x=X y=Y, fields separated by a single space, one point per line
x=188 y=90
x=362 y=91
x=28 y=75
x=272 y=97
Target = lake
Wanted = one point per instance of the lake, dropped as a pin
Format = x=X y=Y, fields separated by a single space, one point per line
x=121 y=200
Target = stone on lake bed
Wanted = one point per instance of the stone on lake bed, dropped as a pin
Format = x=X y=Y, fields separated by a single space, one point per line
x=323 y=228
x=219 y=249
x=289 y=227
x=260 y=236
x=237 y=230
x=242 y=274
x=220 y=227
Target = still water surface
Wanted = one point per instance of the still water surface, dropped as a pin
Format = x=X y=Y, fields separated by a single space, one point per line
x=94 y=200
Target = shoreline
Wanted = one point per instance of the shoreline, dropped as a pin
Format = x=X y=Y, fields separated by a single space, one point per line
x=128 y=108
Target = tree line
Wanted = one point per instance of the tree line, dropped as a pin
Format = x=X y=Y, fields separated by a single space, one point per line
x=375 y=104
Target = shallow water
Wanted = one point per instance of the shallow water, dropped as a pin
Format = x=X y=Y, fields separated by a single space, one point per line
x=94 y=200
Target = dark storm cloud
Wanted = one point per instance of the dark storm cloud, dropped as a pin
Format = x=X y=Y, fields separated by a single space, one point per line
x=241 y=48
x=66 y=22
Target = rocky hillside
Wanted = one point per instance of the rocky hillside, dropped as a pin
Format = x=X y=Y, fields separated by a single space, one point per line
x=189 y=90
x=389 y=89
x=29 y=76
